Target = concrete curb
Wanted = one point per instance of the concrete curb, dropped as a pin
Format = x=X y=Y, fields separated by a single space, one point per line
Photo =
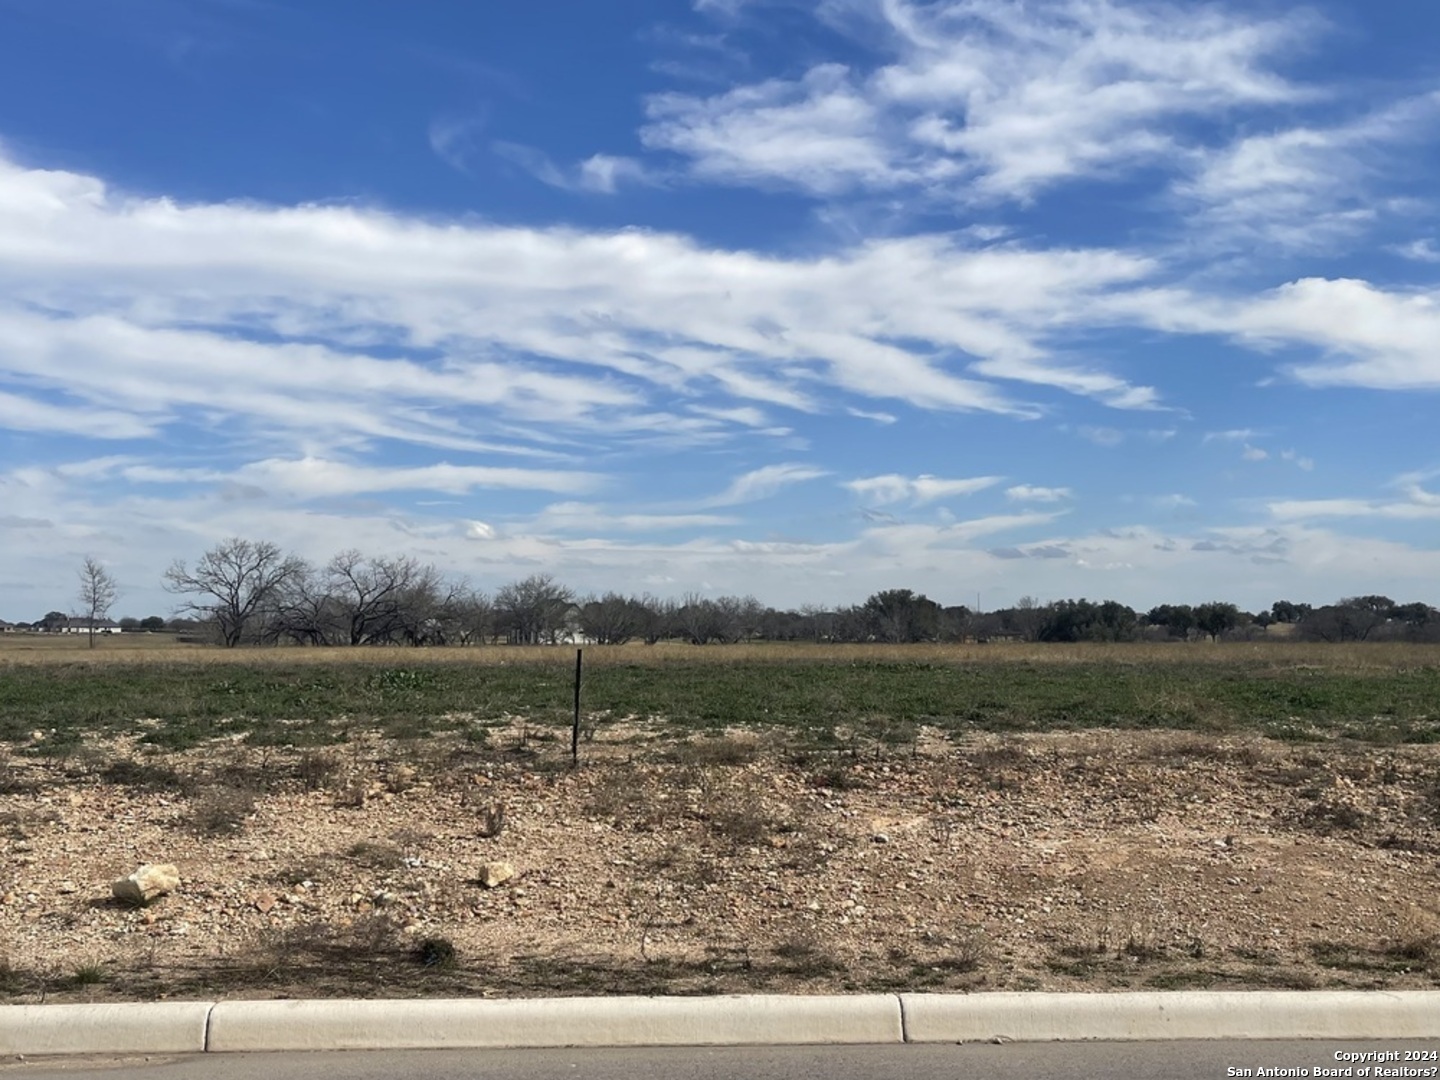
x=756 y=1020
x=1277 y=1014
x=617 y=1021
x=162 y=1028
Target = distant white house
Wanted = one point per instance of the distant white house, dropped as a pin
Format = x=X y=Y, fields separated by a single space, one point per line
x=81 y=625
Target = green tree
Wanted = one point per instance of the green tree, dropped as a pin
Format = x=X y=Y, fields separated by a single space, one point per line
x=1215 y=618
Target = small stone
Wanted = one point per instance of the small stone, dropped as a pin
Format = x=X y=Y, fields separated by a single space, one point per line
x=66 y=888
x=880 y=838
x=265 y=902
x=496 y=873
x=150 y=881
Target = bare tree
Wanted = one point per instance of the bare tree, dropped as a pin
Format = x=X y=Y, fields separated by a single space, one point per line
x=380 y=599
x=533 y=611
x=233 y=583
x=612 y=619
x=98 y=591
x=470 y=616
x=657 y=618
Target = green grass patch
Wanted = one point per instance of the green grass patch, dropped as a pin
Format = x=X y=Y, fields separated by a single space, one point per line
x=309 y=699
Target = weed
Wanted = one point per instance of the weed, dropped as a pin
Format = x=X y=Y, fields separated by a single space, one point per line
x=315 y=769
x=964 y=956
x=222 y=809
x=725 y=751
x=145 y=776
x=311 y=869
x=12 y=979
x=1327 y=814
x=1417 y=948
x=435 y=952
x=376 y=855
x=805 y=956
x=367 y=945
x=839 y=778
x=492 y=821
x=88 y=975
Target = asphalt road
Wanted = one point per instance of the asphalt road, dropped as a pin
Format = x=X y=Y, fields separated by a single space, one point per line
x=1013 y=1061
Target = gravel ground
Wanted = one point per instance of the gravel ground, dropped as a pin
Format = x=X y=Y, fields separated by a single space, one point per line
x=1101 y=860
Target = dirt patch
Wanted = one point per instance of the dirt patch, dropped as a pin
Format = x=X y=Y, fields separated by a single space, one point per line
x=1062 y=861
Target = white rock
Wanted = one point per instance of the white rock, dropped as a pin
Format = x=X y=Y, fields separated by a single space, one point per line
x=496 y=873
x=145 y=884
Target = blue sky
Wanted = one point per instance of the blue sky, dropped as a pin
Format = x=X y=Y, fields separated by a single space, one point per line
x=803 y=300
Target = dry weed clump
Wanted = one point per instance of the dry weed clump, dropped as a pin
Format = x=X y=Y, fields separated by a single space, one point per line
x=367 y=943
x=221 y=809
x=317 y=769
x=376 y=855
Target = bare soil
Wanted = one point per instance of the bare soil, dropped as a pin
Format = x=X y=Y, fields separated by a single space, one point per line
x=1092 y=861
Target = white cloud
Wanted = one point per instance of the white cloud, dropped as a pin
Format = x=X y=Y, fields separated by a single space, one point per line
x=292 y=318
x=763 y=482
x=1302 y=187
x=307 y=478
x=986 y=98
x=1374 y=337
x=1173 y=502
x=602 y=174
x=1031 y=493
x=1233 y=435
x=588 y=517
x=1423 y=250
x=1294 y=456
x=21 y=413
x=893 y=488
x=1419 y=495
x=606 y=173
x=1360 y=334
x=1420 y=505
x=1101 y=436
x=455 y=139
x=878 y=417
x=1254 y=453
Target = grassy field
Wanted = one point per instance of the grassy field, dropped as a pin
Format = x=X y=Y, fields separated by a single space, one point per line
x=179 y=696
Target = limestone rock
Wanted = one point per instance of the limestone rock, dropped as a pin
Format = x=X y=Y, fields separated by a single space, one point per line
x=145 y=884
x=496 y=873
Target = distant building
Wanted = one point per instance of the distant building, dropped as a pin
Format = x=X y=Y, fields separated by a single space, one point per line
x=7 y=627
x=81 y=625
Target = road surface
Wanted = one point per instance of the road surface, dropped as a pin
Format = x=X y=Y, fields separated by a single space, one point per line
x=1011 y=1061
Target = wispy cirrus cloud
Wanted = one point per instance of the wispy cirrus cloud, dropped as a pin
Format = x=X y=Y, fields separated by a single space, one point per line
x=383 y=325
x=456 y=140
x=590 y=518
x=987 y=100
x=312 y=477
x=603 y=174
x=918 y=490
x=763 y=483
x=1304 y=187
x=1033 y=493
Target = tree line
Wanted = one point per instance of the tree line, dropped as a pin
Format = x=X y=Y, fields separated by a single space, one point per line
x=252 y=592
